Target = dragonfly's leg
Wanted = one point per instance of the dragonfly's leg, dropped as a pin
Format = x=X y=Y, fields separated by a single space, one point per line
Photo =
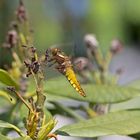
x=51 y=64
x=78 y=65
x=67 y=63
x=51 y=59
x=60 y=68
x=63 y=64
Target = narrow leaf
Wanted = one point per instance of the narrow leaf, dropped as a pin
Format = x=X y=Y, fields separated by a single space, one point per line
x=7 y=96
x=6 y=79
x=94 y=93
x=120 y=123
x=8 y=125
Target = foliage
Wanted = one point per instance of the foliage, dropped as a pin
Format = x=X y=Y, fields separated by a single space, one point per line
x=25 y=86
x=109 y=124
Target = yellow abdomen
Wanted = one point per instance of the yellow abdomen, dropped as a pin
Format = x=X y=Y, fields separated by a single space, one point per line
x=73 y=81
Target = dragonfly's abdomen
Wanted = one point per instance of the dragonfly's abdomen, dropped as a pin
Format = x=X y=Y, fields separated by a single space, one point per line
x=73 y=81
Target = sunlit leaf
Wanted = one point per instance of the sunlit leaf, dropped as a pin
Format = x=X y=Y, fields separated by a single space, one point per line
x=122 y=123
x=6 y=79
x=8 y=125
x=94 y=93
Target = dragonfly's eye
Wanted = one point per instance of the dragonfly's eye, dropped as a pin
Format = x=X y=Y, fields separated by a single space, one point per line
x=55 y=51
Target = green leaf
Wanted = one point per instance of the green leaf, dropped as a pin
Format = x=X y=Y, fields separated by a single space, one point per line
x=22 y=138
x=6 y=79
x=2 y=137
x=67 y=110
x=48 y=115
x=53 y=97
x=121 y=123
x=4 y=124
x=7 y=96
x=46 y=129
x=95 y=93
x=130 y=104
x=134 y=84
x=23 y=111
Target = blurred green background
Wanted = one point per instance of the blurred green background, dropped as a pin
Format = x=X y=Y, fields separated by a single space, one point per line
x=67 y=21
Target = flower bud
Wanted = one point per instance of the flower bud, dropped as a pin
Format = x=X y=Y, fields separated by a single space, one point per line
x=91 y=41
x=82 y=63
x=116 y=46
x=120 y=71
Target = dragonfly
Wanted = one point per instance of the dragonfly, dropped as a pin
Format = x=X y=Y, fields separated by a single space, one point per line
x=64 y=66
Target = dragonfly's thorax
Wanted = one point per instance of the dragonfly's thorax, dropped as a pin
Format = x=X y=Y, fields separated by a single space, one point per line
x=59 y=58
x=62 y=59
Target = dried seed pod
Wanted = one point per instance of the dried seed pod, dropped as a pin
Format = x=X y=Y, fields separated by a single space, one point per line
x=35 y=66
x=11 y=39
x=21 y=12
x=32 y=67
x=91 y=41
x=116 y=46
